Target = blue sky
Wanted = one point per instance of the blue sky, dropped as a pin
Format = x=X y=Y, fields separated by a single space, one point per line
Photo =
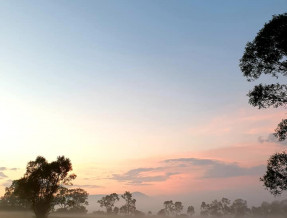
x=111 y=80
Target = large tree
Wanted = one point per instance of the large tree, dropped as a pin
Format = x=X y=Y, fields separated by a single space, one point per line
x=41 y=182
x=267 y=54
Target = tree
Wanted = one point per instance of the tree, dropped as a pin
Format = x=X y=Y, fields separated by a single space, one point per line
x=130 y=205
x=239 y=207
x=178 y=207
x=108 y=202
x=190 y=210
x=225 y=203
x=161 y=212
x=41 y=183
x=275 y=178
x=116 y=210
x=168 y=207
x=71 y=200
x=204 y=207
x=267 y=54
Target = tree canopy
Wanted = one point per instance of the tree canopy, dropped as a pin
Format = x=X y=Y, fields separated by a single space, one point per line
x=267 y=54
x=275 y=178
x=41 y=182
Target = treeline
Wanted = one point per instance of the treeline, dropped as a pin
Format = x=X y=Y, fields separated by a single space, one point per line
x=224 y=208
x=76 y=200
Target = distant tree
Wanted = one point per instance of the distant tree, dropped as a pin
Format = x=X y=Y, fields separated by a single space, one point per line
x=130 y=204
x=178 y=207
x=41 y=182
x=239 y=208
x=190 y=210
x=71 y=200
x=108 y=202
x=169 y=208
x=267 y=54
x=275 y=178
x=116 y=210
x=161 y=212
x=149 y=213
x=204 y=209
x=225 y=203
x=215 y=208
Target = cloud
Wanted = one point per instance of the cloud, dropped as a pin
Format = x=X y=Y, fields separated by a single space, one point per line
x=2 y=175
x=232 y=170
x=218 y=169
x=136 y=177
x=88 y=186
x=7 y=183
x=193 y=161
x=5 y=168
x=271 y=138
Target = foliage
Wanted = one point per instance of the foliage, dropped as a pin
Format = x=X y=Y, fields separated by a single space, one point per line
x=130 y=204
x=190 y=210
x=267 y=54
x=12 y=202
x=216 y=208
x=239 y=208
x=178 y=207
x=41 y=182
x=71 y=200
x=275 y=178
x=108 y=202
x=168 y=208
x=276 y=208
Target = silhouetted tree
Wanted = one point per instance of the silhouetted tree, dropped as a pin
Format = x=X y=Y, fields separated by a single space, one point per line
x=169 y=208
x=275 y=178
x=239 y=208
x=190 y=210
x=161 y=212
x=41 y=182
x=178 y=207
x=267 y=54
x=116 y=210
x=71 y=200
x=130 y=204
x=225 y=203
x=204 y=207
x=108 y=202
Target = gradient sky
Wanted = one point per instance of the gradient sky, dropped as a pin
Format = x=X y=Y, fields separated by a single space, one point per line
x=140 y=95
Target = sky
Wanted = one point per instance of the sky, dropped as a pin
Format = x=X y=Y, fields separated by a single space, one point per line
x=140 y=95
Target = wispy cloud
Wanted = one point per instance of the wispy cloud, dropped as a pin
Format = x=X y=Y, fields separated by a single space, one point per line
x=2 y=175
x=136 y=176
x=271 y=138
x=87 y=186
x=7 y=183
x=218 y=169
x=5 y=168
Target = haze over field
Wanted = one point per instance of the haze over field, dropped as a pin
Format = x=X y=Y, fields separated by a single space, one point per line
x=142 y=96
